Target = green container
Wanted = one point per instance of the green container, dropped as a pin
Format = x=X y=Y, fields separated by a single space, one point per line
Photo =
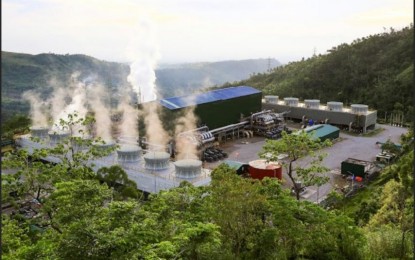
x=355 y=167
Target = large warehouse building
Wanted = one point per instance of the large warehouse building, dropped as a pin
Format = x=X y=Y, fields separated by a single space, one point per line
x=216 y=108
x=357 y=117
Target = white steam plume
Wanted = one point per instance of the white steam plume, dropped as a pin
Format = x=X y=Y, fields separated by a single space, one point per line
x=38 y=114
x=155 y=132
x=187 y=148
x=129 y=124
x=96 y=94
x=143 y=48
x=77 y=106
x=57 y=102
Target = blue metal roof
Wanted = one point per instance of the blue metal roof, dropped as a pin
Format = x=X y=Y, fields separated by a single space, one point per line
x=214 y=95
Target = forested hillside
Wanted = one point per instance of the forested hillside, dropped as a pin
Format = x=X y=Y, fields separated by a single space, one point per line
x=376 y=70
x=179 y=79
x=44 y=72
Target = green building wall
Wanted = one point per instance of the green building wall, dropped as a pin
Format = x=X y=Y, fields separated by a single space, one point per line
x=215 y=114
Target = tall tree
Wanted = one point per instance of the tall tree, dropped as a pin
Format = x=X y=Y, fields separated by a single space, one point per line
x=296 y=146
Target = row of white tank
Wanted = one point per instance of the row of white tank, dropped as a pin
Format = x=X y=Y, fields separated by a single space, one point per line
x=315 y=104
x=130 y=154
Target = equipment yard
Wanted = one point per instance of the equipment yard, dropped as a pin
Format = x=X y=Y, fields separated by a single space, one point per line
x=347 y=146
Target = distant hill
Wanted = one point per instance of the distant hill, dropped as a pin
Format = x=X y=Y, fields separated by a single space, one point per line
x=376 y=70
x=22 y=72
x=179 y=79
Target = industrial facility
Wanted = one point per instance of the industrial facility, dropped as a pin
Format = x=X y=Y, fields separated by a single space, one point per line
x=151 y=170
x=357 y=117
x=217 y=108
x=224 y=114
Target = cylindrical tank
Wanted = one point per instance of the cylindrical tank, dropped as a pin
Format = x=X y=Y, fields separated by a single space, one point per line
x=261 y=168
x=133 y=140
x=312 y=103
x=359 y=108
x=106 y=145
x=128 y=153
x=335 y=106
x=291 y=101
x=39 y=132
x=79 y=142
x=156 y=160
x=271 y=99
x=56 y=137
x=188 y=168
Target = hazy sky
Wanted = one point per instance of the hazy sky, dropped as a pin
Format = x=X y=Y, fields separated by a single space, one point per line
x=188 y=31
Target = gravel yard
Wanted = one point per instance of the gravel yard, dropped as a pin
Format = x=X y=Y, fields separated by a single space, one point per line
x=348 y=146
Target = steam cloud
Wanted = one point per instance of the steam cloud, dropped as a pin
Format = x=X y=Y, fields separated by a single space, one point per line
x=96 y=95
x=144 y=48
x=128 y=126
x=38 y=114
x=155 y=131
x=78 y=106
x=187 y=148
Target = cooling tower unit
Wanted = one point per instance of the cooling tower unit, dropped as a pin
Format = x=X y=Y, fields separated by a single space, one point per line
x=80 y=143
x=291 y=101
x=108 y=144
x=312 y=103
x=259 y=169
x=359 y=109
x=335 y=106
x=156 y=160
x=188 y=168
x=56 y=137
x=39 y=132
x=128 y=153
x=271 y=99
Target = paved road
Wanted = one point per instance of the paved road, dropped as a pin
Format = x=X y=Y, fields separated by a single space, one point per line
x=348 y=146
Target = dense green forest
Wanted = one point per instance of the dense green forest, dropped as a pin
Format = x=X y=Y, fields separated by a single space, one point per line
x=376 y=70
x=67 y=211
x=182 y=79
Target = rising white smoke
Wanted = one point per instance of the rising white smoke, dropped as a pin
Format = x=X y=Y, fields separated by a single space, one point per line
x=96 y=98
x=143 y=49
x=38 y=113
x=187 y=145
x=129 y=124
x=155 y=132
x=77 y=106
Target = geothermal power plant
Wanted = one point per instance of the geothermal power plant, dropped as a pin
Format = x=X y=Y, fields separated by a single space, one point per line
x=221 y=115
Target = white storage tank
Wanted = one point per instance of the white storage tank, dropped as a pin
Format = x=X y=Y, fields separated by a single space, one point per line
x=271 y=99
x=56 y=137
x=107 y=144
x=156 y=160
x=128 y=153
x=335 y=106
x=312 y=103
x=188 y=168
x=291 y=101
x=39 y=132
x=359 y=109
x=79 y=143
